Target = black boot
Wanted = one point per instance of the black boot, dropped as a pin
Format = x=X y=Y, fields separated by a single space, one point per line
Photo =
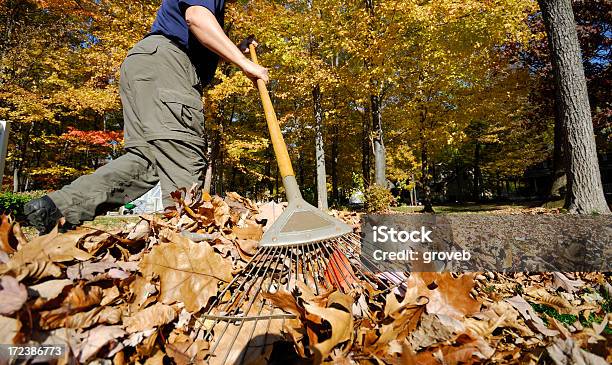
x=43 y=214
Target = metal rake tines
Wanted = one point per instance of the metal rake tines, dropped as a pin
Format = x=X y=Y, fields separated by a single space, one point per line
x=242 y=325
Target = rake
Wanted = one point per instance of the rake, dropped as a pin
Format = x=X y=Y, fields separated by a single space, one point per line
x=304 y=247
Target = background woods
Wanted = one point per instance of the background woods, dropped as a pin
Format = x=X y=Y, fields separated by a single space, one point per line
x=455 y=99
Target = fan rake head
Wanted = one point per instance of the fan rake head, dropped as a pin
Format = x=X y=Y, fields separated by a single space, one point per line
x=302 y=223
x=241 y=325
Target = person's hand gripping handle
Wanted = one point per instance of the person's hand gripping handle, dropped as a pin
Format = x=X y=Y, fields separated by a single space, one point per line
x=280 y=148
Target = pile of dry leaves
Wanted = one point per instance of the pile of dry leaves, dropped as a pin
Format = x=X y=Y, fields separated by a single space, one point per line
x=137 y=295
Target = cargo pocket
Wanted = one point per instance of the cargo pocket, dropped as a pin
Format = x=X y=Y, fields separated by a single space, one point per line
x=140 y=63
x=143 y=47
x=182 y=112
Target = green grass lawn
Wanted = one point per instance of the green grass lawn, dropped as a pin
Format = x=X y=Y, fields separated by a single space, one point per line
x=464 y=208
x=103 y=222
x=108 y=222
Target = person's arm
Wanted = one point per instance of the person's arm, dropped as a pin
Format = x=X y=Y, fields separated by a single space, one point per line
x=204 y=26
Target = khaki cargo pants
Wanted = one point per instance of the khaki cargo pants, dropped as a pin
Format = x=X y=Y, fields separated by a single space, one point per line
x=163 y=131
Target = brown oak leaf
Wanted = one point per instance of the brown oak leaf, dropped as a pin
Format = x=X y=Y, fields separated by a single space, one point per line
x=189 y=272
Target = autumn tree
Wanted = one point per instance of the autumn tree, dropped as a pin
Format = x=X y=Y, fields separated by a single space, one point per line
x=59 y=70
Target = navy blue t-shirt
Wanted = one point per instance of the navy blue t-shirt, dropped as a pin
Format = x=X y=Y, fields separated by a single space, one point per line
x=170 y=21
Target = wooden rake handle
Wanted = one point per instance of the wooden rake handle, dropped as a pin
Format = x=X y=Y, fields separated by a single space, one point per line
x=278 y=142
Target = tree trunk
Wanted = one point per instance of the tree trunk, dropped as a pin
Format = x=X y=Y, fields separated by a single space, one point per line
x=584 y=188
x=477 y=173
x=15 y=179
x=459 y=174
x=209 y=170
x=216 y=163
x=277 y=184
x=301 y=174
x=559 y=180
x=268 y=172
x=377 y=142
x=319 y=150
x=334 y=163
x=425 y=181
x=365 y=149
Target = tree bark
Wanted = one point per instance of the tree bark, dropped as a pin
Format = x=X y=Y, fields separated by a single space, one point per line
x=268 y=169
x=15 y=179
x=584 y=188
x=319 y=149
x=425 y=181
x=377 y=143
x=477 y=173
x=334 y=163
x=209 y=171
x=365 y=149
x=559 y=180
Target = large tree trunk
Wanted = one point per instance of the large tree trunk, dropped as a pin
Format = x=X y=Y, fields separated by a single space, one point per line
x=584 y=188
x=319 y=150
x=377 y=143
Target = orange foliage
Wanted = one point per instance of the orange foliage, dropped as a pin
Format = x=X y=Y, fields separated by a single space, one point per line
x=98 y=138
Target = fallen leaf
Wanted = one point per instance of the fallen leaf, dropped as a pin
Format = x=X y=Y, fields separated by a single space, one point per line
x=96 y=315
x=12 y=295
x=88 y=269
x=9 y=328
x=140 y=231
x=530 y=315
x=148 y=318
x=248 y=247
x=51 y=289
x=109 y=295
x=96 y=338
x=542 y=296
x=567 y=352
x=7 y=241
x=157 y=359
x=18 y=235
x=400 y=319
x=465 y=349
x=221 y=211
x=187 y=351
x=35 y=270
x=189 y=272
x=251 y=231
x=52 y=247
x=285 y=301
x=269 y=212
x=338 y=315
x=431 y=330
x=562 y=281
x=447 y=295
x=135 y=339
x=79 y=299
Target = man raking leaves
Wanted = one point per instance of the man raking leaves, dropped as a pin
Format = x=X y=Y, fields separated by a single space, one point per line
x=160 y=85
